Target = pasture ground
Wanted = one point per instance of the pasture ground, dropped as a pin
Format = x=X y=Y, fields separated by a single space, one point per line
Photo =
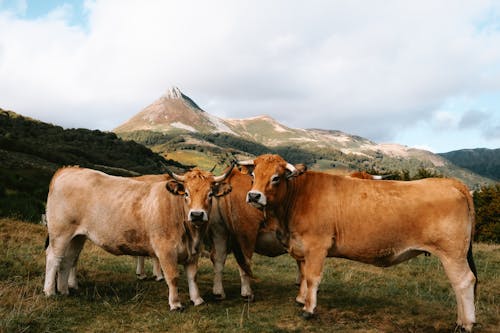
x=414 y=296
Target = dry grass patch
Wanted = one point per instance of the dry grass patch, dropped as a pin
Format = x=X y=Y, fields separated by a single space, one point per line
x=412 y=297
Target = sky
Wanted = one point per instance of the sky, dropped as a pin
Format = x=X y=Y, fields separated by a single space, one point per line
x=425 y=74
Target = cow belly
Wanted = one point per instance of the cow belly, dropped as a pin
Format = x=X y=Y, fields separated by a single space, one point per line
x=267 y=244
x=125 y=249
x=121 y=245
x=382 y=257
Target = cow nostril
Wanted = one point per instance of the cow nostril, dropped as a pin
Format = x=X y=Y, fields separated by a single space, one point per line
x=196 y=215
x=254 y=196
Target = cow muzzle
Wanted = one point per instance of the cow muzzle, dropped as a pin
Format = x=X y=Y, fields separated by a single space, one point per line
x=256 y=199
x=197 y=217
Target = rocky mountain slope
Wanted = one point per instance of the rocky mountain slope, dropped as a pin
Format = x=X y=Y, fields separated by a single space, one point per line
x=175 y=126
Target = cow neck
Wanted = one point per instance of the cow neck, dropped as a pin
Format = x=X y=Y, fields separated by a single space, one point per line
x=191 y=238
x=283 y=212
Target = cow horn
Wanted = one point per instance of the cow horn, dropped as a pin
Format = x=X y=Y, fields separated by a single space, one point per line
x=224 y=176
x=292 y=169
x=175 y=176
x=247 y=162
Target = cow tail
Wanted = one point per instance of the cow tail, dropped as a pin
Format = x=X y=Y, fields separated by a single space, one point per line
x=472 y=218
x=472 y=265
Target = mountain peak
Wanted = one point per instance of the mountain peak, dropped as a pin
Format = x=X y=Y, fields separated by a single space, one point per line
x=173 y=93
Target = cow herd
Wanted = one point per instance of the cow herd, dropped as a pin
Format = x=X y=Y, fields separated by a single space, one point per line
x=266 y=206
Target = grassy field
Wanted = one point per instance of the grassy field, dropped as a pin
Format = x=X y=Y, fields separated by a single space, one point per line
x=412 y=297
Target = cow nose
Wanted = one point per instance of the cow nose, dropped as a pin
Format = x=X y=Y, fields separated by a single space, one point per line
x=254 y=196
x=196 y=215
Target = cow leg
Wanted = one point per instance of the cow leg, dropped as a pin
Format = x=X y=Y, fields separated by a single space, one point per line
x=312 y=272
x=68 y=262
x=157 y=269
x=52 y=263
x=462 y=280
x=139 y=269
x=77 y=244
x=246 y=288
x=301 y=297
x=191 y=270
x=54 y=255
x=218 y=256
x=72 y=278
x=298 y=279
x=168 y=262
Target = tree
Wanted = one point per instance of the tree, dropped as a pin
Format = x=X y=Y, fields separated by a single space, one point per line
x=487 y=205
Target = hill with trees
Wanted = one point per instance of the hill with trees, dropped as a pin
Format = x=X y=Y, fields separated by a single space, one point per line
x=31 y=151
x=484 y=162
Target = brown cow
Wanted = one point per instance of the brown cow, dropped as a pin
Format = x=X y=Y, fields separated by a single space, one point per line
x=132 y=217
x=234 y=226
x=380 y=223
x=239 y=227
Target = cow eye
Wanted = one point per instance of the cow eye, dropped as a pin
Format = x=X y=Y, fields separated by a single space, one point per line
x=186 y=195
x=275 y=179
x=210 y=194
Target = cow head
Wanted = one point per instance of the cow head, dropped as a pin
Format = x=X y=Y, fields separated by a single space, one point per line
x=198 y=187
x=269 y=176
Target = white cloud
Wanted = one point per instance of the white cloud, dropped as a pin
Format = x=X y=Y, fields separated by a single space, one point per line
x=369 y=68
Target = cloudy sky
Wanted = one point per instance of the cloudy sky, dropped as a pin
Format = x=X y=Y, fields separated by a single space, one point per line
x=421 y=73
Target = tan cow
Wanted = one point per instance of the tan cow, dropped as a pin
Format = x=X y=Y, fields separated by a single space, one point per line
x=131 y=217
x=234 y=226
x=380 y=223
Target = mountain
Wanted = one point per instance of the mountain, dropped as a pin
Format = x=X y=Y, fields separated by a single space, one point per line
x=31 y=151
x=484 y=162
x=173 y=112
x=176 y=127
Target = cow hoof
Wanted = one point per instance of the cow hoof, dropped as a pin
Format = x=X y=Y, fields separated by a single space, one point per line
x=307 y=315
x=179 y=308
x=461 y=329
x=160 y=278
x=198 y=301
x=299 y=303
x=248 y=298
x=219 y=297
x=49 y=293
x=141 y=276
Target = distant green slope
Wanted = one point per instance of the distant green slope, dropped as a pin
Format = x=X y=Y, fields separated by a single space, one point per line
x=31 y=151
x=485 y=162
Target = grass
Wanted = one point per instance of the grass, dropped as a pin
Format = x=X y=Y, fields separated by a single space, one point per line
x=412 y=297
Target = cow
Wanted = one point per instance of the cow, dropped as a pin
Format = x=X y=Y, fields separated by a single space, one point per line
x=125 y=216
x=242 y=229
x=237 y=227
x=376 y=222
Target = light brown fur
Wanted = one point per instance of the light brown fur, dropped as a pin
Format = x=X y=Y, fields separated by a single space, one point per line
x=127 y=216
x=377 y=222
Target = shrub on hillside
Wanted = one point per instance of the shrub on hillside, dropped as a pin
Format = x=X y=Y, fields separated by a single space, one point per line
x=487 y=204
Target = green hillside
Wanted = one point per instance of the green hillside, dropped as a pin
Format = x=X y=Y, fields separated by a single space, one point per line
x=31 y=151
x=221 y=148
x=484 y=162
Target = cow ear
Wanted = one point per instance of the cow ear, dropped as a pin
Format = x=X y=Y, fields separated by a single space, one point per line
x=246 y=169
x=175 y=187
x=301 y=168
x=220 y=189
